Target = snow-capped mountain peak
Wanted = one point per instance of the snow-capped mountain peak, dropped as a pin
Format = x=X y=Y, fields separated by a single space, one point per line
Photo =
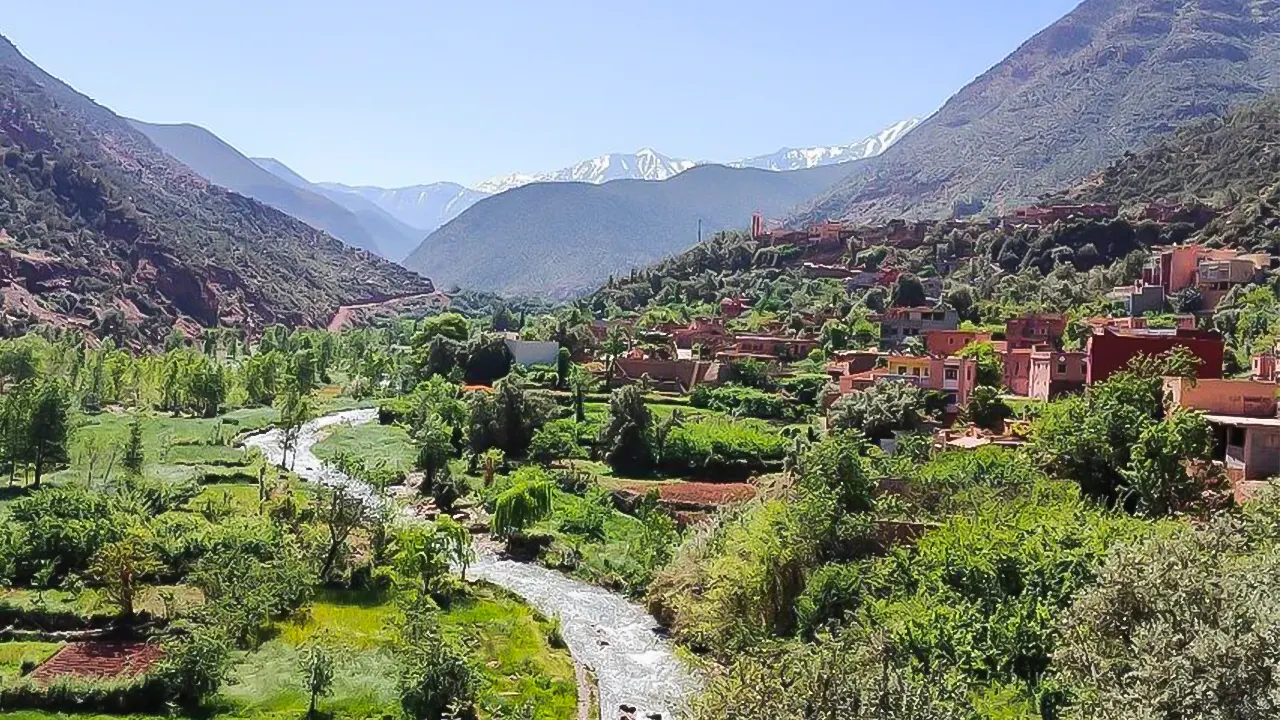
x=643 y=164
x=800 y=158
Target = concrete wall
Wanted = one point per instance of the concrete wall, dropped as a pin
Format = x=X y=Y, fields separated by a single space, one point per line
x=1248 y=398
x=533 y=352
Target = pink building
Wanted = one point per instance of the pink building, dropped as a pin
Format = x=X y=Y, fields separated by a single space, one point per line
x=1031 y=330
x=954 y=377
x=1243 y=416
x=950 y=342
x=1055 y=372
x=1017 y=371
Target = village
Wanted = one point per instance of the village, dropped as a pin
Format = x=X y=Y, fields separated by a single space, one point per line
x=1042 y=356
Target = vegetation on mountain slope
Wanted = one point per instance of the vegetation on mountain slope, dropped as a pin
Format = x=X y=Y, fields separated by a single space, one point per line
x=103 y=231
x=219 y=163
x=1101 y=81
x=560 y=238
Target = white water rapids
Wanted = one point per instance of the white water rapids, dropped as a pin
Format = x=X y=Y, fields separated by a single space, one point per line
x=634 y=665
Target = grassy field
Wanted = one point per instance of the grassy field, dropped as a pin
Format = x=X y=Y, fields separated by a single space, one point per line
x=373 y=443
x=13 y=654
x=508 y=642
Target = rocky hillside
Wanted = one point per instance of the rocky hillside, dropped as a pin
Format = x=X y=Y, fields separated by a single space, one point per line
x=1219 y=161
x=105 y=232
x=559 y=238
x=1101 y=81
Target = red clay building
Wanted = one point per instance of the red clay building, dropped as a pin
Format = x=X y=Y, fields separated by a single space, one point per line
x=1110 y=351
x=950 y=342
x=1031 y=330
x=1056 y=372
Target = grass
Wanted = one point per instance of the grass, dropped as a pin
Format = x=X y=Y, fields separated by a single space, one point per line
x=517 y=658
x=372 y=443
x=507 y=640
x=14 y=654
x=89 y=603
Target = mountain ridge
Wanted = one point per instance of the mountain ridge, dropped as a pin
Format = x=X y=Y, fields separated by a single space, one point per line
x=106 y=233
x=1101 y=81
x=555 y=239
x=431 y=205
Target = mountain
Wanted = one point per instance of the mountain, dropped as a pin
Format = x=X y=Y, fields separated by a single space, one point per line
x=644 y=164
x=559 y=238
x=396 y=239
x=425 y=207
x=800 y=158
x=219 y=163
x=102 y=231
x=1219 y=161
x=1102 y=81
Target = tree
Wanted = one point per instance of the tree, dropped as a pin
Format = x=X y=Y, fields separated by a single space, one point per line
x=880 y=410
x=340 y=512
x=913 y=346
x=1166 y=470
x=433 y=673
x=908 y=291
x=564 y=368
x=523 y=504
x=625 y=436
x=986 y=408
x=615 y=344
x=990 y=369
x=133 y=457
x=316 y=664
x=435 y=445
x=555 y=441
x=119 y=567
x=294 y=410
x=48 y=427
x=450 y=326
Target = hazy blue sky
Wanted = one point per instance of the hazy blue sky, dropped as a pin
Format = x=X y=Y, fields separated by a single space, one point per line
x=397 y=92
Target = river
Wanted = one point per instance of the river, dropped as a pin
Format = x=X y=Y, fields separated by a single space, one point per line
x=634 y=665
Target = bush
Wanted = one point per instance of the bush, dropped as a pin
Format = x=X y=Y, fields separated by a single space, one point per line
x=1178 y=626
x=831 y=593
x=742 y=401
x=557 y=440
x=584 y=517
x=194 y=666
x=712 y=444
x=140 y=695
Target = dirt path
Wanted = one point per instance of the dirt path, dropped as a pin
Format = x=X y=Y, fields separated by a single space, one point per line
x=634 y=664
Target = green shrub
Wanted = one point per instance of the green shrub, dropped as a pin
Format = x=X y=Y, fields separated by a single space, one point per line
x=742 y=401
x=831 y=593
x=709 y=444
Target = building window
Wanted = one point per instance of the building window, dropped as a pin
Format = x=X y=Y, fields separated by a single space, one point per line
x=1235 y=437
x=915 y=371
x=950 y=374
x=902 y=369
x=1062 y=368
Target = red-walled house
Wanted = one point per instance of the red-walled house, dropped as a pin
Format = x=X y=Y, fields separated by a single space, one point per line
x=1110 y=351
x=1017 y=371
x=950 y=342
x=1031 y=330
x=1056 y=372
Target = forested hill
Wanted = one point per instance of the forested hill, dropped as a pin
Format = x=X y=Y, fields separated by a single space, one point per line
x=554 y=239
x=105 y=232
x=1220 y=161
x=1102 y=81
